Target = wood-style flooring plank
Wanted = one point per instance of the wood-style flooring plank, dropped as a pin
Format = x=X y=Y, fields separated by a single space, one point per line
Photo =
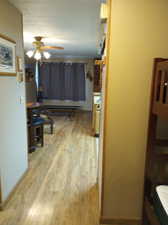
x=60 y=187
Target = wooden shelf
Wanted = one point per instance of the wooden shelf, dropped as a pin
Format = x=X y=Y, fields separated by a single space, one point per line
x=160 y=151
x=156 y=171
x=150 y=213
x=100 y=62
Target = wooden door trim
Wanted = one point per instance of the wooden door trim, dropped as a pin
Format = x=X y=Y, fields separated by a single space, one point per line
x=105 y=105
x=120 y=221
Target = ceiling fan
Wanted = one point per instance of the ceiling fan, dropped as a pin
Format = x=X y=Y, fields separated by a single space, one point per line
x=40 y=49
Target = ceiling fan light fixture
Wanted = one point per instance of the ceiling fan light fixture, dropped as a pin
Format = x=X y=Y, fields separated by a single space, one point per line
x=37 y=55
x=46 y=55
x=30 y=53
x=39 y=49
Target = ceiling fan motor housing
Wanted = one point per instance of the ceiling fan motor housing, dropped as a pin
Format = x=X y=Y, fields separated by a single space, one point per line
x=38 y=38
x=38 y=43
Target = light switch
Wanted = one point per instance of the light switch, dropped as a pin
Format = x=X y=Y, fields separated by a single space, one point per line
x=21 y=100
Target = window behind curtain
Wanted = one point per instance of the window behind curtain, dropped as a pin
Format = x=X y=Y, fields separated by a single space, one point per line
x=63 y=81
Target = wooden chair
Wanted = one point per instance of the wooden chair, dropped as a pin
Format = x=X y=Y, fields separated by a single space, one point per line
x=35 y=135
x=44 y=113
x=35 y=130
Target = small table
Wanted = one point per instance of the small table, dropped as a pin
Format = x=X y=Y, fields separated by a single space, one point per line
x=62 y=108
x=30 y=107
x=33 y=105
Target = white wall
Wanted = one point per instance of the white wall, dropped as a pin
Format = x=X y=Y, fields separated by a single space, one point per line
x=13 y=134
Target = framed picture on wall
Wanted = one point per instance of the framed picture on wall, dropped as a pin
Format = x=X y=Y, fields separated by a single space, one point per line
x=7 y=56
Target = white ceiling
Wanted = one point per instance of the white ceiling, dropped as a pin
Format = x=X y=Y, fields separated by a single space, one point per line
x=73 y=24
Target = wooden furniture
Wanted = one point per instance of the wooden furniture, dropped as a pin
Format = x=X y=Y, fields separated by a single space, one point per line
x=156 y=172
x=33 y=105
x=35 y=135
x=44 y=113
x=97 y=78
x=35 y=128
x=70 y=110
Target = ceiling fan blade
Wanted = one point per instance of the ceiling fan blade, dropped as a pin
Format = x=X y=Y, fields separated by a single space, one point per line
x=51 y=47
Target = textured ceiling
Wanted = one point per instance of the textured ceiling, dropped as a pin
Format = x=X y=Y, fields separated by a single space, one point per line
x=73 y=24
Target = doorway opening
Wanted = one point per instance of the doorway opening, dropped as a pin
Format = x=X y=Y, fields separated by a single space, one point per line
x=64 y=69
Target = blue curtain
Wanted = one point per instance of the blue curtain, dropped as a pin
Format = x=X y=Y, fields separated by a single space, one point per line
x=62 y=81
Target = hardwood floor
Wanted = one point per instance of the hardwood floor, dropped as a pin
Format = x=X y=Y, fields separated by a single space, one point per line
x=60 y=187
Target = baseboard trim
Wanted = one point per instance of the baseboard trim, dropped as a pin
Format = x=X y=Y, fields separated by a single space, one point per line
x=3 y=204
x=120 y=221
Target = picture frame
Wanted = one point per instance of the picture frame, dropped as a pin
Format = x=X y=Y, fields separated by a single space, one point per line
x=7 y=56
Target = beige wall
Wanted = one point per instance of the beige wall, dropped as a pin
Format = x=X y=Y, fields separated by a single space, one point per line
x=139 y=32
x=13 y=137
